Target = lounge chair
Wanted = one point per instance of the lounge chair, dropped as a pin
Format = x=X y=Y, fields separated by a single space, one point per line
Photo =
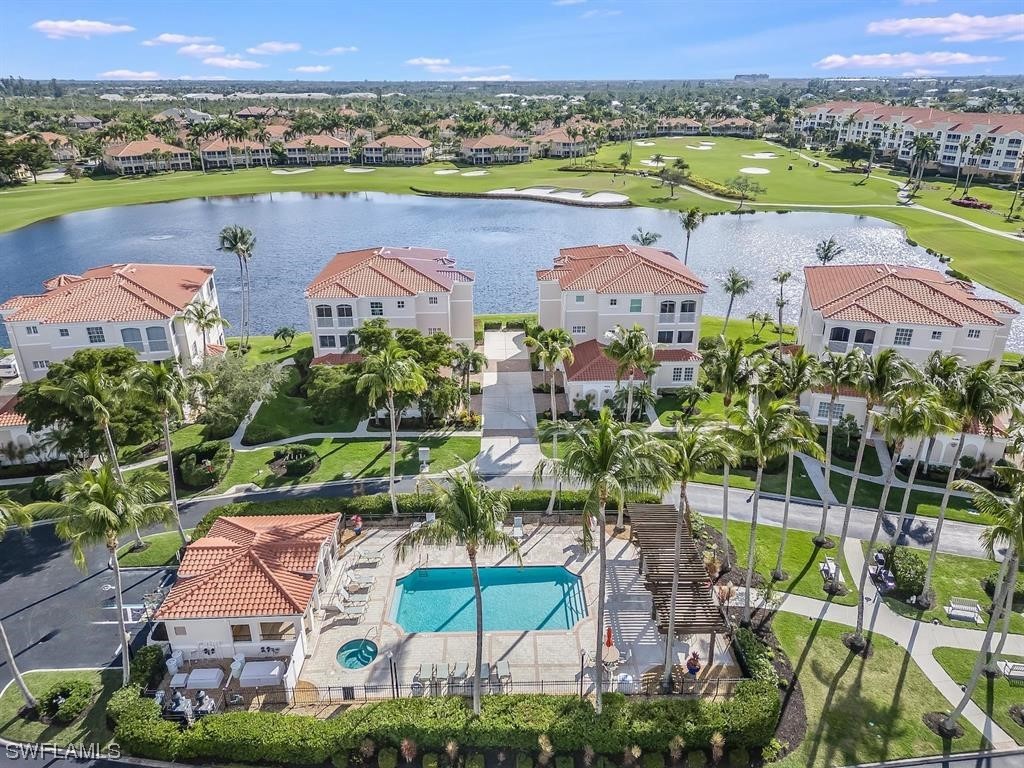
x=517 y=528
x=430 y=517
x=485 y=671
x=457 y=674
x=358 y=580
x=347 y=597
x=425 y=673
x=351 y=611
x=504 y=671
x=369 y=558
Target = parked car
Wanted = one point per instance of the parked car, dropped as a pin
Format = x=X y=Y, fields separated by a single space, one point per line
x=8 y=367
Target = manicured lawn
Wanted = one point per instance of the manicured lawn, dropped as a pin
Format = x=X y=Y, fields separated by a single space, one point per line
x=342 y=459
x=88 y=729
x=161 y=551
x=267 y=349
x=669 y=410
x=775 y=483
x=739 y=328
x=800 y=560
x=505 y=317
x=934 y=193
x=995 y=697
x=955 y=576
x=860 y=710
x=869 y=465
x=922 y=503
x=291 y=416
x=183 y=438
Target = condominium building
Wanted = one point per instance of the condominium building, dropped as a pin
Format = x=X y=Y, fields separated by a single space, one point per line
x=146 y=155
x=735 y=126
x=320 y=149
x=894 y=129
x=85 y=122
x=494 y=148
x=60 y=146
x=410 y=287
x=398 y=150
x=139 y=306
x=677 y=126
x=591 y=289
x=558 y=143
x=219 y=152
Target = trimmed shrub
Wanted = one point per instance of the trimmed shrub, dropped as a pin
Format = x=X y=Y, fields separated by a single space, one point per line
x=755 y=656
x=908 y=569
x=67 y=699
x=205 y=464
x=492 y=325
x=299 y=459
x=261 y=738
x=388 y=758
x=124 y=701
x=257 y=434
x=148 y=667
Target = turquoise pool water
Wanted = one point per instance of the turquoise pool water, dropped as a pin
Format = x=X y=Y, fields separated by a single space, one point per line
x=356 y=654
x=534 y=597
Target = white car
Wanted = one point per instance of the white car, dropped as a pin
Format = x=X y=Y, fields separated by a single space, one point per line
x=8 y=367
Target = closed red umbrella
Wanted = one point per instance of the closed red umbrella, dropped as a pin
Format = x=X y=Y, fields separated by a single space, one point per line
x=608 y=637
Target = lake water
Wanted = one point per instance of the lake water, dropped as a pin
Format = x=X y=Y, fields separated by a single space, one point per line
x=504 y=241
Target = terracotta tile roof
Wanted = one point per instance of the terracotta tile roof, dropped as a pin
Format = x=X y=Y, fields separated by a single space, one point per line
x=923 y=118
x=733 y=122
x=250 y=566
x=44 y=136
x=138 y=148
x=319 y=140
x=257 y=112
x=387 y=271
x=114 y=293
x=590 y=363
x=337 y=358
x=8 y=416
x=493 y=141
x=220 y=144
x=277 y=132
x=683 y=121
x=886 y=293
x=622 y=269
x=400 y=141
x=556 y=134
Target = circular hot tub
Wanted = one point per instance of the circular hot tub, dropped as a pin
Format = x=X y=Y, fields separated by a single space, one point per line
x=356 y=654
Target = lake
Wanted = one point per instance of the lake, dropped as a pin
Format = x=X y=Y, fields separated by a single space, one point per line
x=504 y=241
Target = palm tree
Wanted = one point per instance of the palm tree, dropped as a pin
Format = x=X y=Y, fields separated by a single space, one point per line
x=164 y=385
x=624 y=160
x=466 y=362
x=827 y=250
x=962 y=147
x=97 y=507
x=690 y=220
x=698 y=447
x=1006 y=531
x=205 y=317
x=241 y=242
x=735 y=284
x=941 y=371
x=977 y=150
x=875 y=378
x=11 y=514
x=469 y=515
x=554 y=350
x=977 y=395
x=796 y=376
x=390 y=372
x=612 y=460
x=642 y=237
x=780 y=278
x=924 y=149
x=834 y=373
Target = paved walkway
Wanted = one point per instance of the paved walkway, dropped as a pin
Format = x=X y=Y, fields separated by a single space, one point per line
x=508 y=402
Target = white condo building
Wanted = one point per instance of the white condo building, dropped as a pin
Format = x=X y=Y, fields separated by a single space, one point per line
x=139 y=306
x=409 y=287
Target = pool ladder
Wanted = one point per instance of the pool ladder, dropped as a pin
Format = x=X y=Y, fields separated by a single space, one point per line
x=374 y=630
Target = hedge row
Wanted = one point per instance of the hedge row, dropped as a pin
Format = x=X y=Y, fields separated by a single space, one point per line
x=379 y=505
x=748 y=719
x=196 y=473
x=707 y=185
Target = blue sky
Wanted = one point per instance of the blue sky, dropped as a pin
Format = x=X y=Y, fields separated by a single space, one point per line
x=508 y=40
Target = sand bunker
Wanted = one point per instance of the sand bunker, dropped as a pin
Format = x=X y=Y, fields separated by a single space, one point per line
x=652 y=163
x=360 y=170
x=475 y=173
x=445 y=172
x=597 y=198
x=289 y=173
x=671 y=157
x=708 y=143
x=644 y=143
x=761 y=156
x=754 y=171
x=700 y=148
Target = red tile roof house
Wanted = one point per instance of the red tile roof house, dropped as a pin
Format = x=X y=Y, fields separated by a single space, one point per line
x=17 y=444
x=678 y=126
x=139 y=306
x=218 y=152
x=409 y=287
x=398 y=150
x=256 y=587
x=735 y=126
x=915 y=311
x=60 y=146
x=145 y=156
x=494 y=148
x=319 y=149
x=558 y=143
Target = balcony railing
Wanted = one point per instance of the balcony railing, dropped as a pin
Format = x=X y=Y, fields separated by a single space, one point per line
x=667 y=317
x=325 y=322
x=346 y=322
x=864 y=346
x=687 y=317
x=838 y=346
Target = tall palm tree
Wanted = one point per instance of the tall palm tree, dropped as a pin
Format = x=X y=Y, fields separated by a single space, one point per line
x=977 y=396
x=554 y=350
x=978 y=149
x=1006 y=531
x=97 y=507
x=735 y=284
x=828 y=250
x=11 y=514
x=690 y=220
x=698 y=447
x=642 y=237
x=875 y=379
x=796 y=376
x=906 y=411
x=612 y=460
x=941 y=371
x=206 y=318
x=469 y=515
x=835 y=373
x=241 y=242
x=467 y=361
x=962 y=147
x=924 y=148
x=780 y=278
x=165 y=385
x=391 y=371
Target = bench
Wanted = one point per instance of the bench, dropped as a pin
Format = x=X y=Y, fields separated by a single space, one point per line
x=1013 y=672
x=962 y=609
x=830 y=571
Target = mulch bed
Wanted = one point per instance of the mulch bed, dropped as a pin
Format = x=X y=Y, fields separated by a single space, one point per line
x=1017 y=713
x=934 y=722
x=792 y=727
x=865 y=653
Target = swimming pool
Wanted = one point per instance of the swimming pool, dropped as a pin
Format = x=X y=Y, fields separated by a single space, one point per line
x=532 y=597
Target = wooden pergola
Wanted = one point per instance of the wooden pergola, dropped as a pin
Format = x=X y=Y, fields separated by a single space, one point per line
x=653 y=530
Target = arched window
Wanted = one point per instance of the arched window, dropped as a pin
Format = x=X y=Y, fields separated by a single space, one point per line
x=839 y=339
x=864 y=338
x=156 y=335
x=132 y=338
x=687 y=311
x=668 y=308
x=345 y=315
x=324 y=316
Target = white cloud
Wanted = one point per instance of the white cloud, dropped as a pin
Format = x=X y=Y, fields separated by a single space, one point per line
x=83 y=28
x=311 y=68
x=232 y=62
x=202 y=77
x=596 y=13
x=489 y=78
x=901 y=60
x=129 y=74
x=445 y=66
x=171 y=38
x=921 y=72
x=195 y=49
x=272 y=47
x=339 y=50
x=919 y=2
x=424 y=61
x=957 y=27
x=569 y=2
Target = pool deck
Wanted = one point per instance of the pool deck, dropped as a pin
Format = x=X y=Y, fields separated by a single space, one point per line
x=548 y=655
